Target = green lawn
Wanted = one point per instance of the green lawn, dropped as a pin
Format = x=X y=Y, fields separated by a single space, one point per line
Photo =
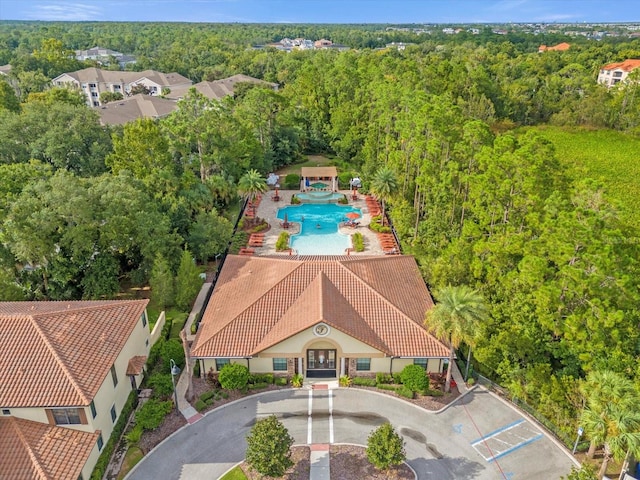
x=312 y=161
x=610 y=157
x=235 y=474
x=133 y=456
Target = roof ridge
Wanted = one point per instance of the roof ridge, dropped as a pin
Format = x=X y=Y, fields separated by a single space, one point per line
x=109 y=304
x=35 y=460
x=61 y=363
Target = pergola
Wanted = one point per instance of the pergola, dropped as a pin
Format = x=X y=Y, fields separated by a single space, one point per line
x=319 y=178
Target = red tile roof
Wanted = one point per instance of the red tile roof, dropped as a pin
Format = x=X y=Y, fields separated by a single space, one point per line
x=136 y=365
x=59 y=353
x=36 y=450
x=260 y=301
x=626 y=66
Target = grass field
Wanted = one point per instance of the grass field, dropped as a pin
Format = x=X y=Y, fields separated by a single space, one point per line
x=610 y=157
x=312 y=161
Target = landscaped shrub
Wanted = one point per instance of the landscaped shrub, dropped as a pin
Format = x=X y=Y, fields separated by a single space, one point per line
x=234 y=376
x=292 y=181
x=405 y=392
x=200 y=405
x=261 y=378
x=385 y=447
x=196 y=370
x=207 y=395
x=388 y=386
x=152 y=413
x=376 y=227
x=213 y=378
x=297 y=380
x=414 y=378
x=133 y=437
x=172 y=350
x=280 y=381
x=397 y=378
x=358 y=242
x=283 y=242
x=364 y=381
x=238 y=241
x=295 y=200
x=161 y=384
x=343 y=200
x=345 y=381
x=260 y=227
x=269 y=447
x=383 y=378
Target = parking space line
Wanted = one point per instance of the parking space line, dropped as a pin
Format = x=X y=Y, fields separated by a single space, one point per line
x=516 y=447
x=330 y=416
x=496 y=432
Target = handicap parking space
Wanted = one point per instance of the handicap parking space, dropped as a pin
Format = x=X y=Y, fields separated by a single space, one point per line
x=506 y=440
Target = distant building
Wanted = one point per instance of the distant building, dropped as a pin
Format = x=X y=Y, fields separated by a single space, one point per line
x=135 y=107
x=104 y=56
x=561 y=47
x=614 y=73
x=400 y=46
x=93 y=81
x=288 y=45
x=219 y=89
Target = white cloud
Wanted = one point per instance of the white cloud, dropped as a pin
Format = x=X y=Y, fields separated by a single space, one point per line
x=64 y=11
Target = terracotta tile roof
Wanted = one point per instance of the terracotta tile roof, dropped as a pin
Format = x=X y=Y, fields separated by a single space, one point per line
x=136 y=365
x=36 y=450
x=260 y=301
x=561 y=47
x=59 y=353
x=626 y=66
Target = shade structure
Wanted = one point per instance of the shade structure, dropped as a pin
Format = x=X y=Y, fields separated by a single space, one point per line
x=352 y=215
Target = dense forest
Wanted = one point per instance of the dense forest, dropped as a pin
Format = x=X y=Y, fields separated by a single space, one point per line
x=483 y=199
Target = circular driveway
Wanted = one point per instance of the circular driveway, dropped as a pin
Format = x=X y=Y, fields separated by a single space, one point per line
x=478 y=437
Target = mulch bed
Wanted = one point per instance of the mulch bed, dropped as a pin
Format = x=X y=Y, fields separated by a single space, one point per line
x=349 y=462
x=171 y=423
x=300 y=470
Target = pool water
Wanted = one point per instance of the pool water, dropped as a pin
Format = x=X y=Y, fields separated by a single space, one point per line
x=319 y=233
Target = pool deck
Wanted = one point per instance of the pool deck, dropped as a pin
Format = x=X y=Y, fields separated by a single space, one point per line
x=268 y=209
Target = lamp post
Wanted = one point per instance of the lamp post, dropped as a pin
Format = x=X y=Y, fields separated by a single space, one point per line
x=175 y=370
x=575 y=445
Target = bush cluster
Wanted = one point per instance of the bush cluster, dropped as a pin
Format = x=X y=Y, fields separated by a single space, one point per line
x=414 y=378
x=234 y=376
x=283 y=242
x=358 y=242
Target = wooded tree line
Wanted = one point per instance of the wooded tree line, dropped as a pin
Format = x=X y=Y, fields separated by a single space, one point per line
x=478 y=202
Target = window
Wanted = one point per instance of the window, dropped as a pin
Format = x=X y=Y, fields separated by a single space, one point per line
x=144 y=319
x=96 y=104
x=66 y=416
x=113 y=413
x=221 y=362
x=94 y=94
x=363 y=364
x=92 y=85
x=114 y=375
x=92 y=406
x=420 y=361
x=279 y=364
x=146 y=342
x=100 y=442
x=6 y=411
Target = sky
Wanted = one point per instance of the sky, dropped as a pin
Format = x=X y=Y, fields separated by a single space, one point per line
x=325 y=11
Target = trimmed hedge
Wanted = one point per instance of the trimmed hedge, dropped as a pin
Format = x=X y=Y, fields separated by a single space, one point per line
x=281 y=381
x=387 y=386
x=364 y=381
x=405 y=392
x=105 y=455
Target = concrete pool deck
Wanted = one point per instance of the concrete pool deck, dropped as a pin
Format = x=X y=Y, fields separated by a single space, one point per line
x=268 y=210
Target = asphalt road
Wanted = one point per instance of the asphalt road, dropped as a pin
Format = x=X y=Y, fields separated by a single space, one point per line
x=480 y=437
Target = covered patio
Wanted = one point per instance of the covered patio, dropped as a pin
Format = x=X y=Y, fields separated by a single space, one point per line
x=319 y=179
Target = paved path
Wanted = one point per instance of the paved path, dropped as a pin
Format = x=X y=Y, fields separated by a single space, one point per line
x=479 y=437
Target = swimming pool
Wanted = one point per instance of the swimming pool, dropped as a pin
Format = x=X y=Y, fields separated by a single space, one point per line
x=319 y=233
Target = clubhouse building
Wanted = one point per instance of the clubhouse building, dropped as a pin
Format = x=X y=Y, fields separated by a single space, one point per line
x=320 y=316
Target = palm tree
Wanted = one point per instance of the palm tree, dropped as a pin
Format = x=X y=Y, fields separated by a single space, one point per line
x=456 y=318
x=611 y=417
x=250 y=184
x=383 y=184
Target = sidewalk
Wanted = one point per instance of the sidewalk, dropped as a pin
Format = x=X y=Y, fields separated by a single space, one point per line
x=187 y=411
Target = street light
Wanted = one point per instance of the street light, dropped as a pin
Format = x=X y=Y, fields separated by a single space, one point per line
x=175 y=370
x=575 y=445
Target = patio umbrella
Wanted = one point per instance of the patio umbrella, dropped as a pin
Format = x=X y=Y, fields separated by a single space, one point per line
x=352 y=215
